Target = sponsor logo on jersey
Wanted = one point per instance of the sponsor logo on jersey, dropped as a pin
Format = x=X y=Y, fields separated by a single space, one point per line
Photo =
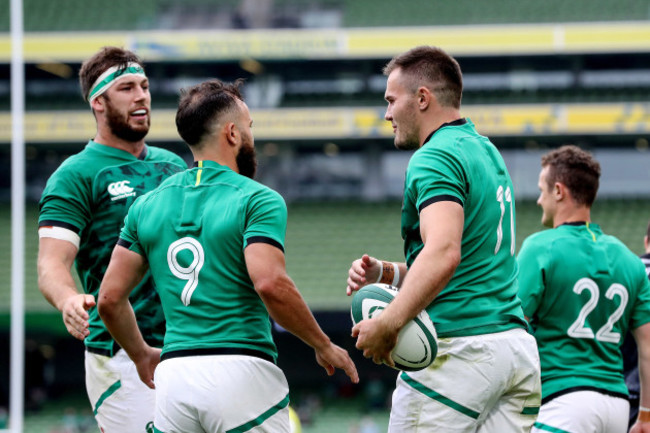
x=120 y=190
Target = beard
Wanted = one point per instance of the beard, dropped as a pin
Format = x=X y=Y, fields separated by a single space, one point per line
x=247 y=160
x=410 y=142
x=408 y=133
x=120 y=127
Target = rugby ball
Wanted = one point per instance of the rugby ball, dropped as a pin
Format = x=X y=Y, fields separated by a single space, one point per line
x=417 y=344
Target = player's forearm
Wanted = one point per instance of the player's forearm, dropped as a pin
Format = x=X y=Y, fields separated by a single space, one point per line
x=55 y=282
x=289 y=310
x=428 y=275
x=642 y=337
x=120 y=321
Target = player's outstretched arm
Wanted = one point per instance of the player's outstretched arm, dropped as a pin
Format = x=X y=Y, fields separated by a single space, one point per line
x=642 y=337
x=124 y=272
x=55 y=259
x=369 y=270
x=267 y=269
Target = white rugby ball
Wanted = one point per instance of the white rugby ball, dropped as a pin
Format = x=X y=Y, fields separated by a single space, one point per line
x=417 y=344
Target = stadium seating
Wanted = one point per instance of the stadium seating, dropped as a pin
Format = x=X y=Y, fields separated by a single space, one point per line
x=151 y=14
x=324 y=237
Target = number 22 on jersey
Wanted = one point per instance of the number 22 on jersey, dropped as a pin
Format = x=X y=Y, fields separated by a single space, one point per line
x=605 y=334
x=190 y=272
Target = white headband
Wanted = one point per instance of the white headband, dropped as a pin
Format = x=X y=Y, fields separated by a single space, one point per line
x=111 y=75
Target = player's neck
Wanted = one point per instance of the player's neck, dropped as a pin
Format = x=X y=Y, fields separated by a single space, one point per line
x=572 y=214
x=220 y=157
x=438 y=118
x=133 y=147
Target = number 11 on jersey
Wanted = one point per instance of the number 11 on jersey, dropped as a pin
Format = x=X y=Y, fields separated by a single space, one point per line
x=504 y=197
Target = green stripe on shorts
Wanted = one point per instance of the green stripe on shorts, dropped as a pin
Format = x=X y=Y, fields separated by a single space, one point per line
x=260 y=419
x=110 y=391
x=530 y=410
x=155 y=430
x=545 y=427
x=438 y=397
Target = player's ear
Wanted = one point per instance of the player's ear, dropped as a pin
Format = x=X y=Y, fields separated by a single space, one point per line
x=560 y=191
x=424 y=96
x=231 y=133
x=98 y=104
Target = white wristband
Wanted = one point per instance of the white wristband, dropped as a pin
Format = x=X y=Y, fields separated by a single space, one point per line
x=381 y=271
x=396 y=275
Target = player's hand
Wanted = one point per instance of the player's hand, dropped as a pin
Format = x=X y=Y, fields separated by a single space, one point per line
x=332 y=357
x=75 y=314
x=640 y=427
x=363 y=270
x=146 y=364
x=376 y=340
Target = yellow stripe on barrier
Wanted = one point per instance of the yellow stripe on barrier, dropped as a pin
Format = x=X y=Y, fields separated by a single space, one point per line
x=362 y=122
x=353 y=43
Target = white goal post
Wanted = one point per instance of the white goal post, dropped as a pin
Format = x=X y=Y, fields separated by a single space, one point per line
x=17 y=345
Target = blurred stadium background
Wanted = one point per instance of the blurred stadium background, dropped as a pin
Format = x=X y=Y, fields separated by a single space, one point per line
x=537 y=75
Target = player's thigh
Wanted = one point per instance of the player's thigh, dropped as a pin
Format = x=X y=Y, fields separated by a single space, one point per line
x=451 y=394
x=517 y=408
x=221 y=393
x=414 y=411
x=584 y=412
x=469 y=377
x=120 y=401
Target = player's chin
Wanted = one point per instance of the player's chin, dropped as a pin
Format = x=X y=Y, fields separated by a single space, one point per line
x=141 y=128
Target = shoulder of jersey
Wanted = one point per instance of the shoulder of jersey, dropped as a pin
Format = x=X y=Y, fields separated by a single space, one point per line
x=417 y=345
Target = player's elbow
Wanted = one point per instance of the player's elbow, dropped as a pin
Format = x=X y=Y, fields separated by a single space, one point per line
x=273 y=287
x=106 y=303
x=452 y=258
x=448 y=256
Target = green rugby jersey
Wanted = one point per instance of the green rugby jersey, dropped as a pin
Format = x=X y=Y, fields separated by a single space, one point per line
x=457 y=164
x=582 y=290
x=195 y=249
x=90 y=194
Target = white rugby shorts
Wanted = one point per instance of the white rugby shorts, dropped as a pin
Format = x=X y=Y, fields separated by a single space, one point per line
x=485 y=383
x=221 y=394
x=584 y=412
x=121 y=402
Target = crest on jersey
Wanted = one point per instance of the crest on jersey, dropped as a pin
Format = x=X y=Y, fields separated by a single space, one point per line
x=120 y=190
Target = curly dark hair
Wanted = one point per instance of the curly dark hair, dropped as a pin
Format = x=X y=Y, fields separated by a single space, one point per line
x=577 y=169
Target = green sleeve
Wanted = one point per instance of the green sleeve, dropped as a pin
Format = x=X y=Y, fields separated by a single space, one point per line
x=641 y=311
x=266 y=218
x=436 y=172
x=67 y=198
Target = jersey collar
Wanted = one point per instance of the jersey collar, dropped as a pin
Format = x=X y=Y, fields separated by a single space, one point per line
x=208 y=163
x=113 y=151
x=457 y=122
x=575 y=223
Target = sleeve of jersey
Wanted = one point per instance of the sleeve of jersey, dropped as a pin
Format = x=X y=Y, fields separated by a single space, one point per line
x=266 y=219
x=66 y=202
x=641 y=312
x=129 y=234
x=531 y=277
x=436 y=175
